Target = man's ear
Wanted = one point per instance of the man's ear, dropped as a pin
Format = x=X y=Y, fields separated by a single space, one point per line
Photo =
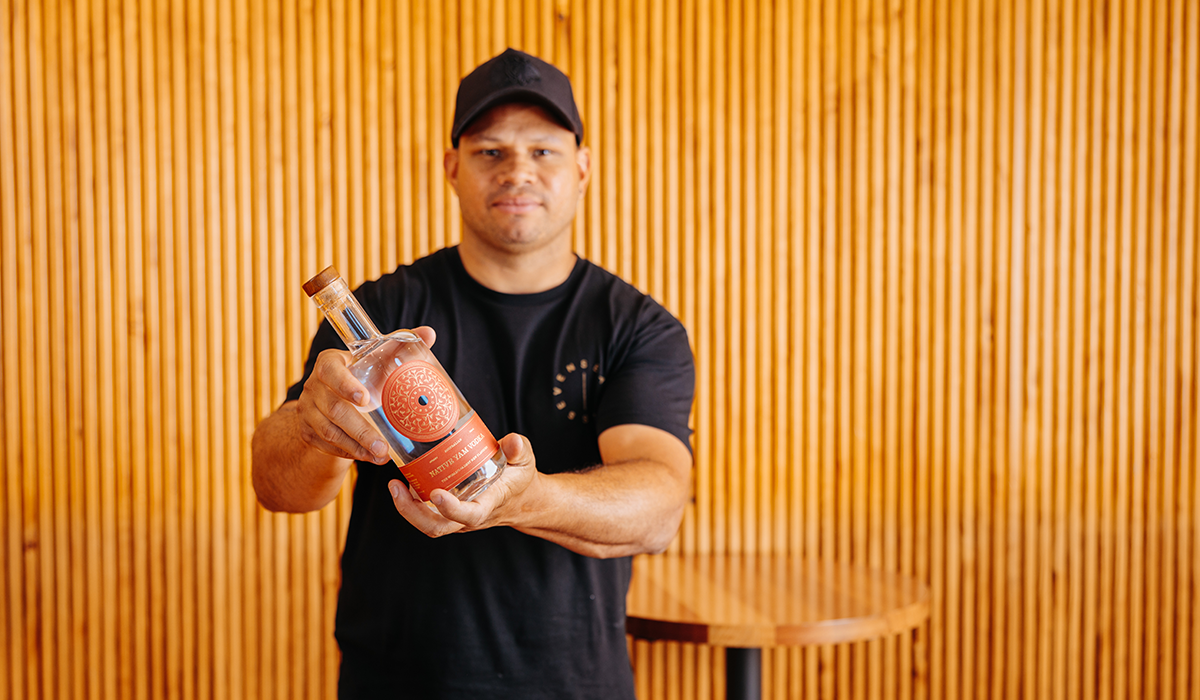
x=450 y=163
x=583 y=159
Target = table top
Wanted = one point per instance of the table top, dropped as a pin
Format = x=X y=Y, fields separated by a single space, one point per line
x=763 y=600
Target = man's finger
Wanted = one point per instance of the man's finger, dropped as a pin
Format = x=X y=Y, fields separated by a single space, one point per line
x=313 y=438
x=420 y=514
x=344 y=425
x=330 y=439
x=469 y=514
x=426 y=334
x=332 y=370
x=517 y=450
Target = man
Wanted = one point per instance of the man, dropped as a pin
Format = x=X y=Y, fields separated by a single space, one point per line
x=520 y=593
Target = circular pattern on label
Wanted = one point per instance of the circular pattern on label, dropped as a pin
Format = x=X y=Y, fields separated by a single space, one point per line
x=420 y=402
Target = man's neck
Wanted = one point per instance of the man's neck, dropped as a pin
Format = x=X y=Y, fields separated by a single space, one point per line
x=517 y=273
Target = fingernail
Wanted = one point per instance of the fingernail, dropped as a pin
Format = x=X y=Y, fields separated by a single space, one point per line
x=379 y=448
x=358 y=398
x=395 y=489
x=439 y=500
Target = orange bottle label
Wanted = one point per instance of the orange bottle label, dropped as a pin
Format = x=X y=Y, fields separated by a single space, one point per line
x=420 y=402
x=446 y=465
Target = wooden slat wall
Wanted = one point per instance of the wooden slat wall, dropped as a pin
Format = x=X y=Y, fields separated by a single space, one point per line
x=938 y=261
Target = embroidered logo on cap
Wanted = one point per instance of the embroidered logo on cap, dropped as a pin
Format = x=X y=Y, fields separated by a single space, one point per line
x=516 y=69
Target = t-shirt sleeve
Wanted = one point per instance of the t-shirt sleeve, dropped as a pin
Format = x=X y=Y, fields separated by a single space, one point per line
x=655 y=382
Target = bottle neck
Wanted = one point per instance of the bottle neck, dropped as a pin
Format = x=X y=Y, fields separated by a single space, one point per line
x=346 y=315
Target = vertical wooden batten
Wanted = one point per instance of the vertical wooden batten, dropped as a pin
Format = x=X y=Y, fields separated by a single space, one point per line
x=939 y=263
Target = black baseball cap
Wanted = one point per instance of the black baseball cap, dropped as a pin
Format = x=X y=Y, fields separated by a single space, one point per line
x=515 y=76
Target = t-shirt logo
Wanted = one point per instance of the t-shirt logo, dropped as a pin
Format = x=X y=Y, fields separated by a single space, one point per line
x=571 y=391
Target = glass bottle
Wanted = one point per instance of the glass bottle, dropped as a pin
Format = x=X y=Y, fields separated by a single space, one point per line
x=434 y=436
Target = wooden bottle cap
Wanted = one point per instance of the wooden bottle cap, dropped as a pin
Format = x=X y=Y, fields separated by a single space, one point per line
x=323 y=279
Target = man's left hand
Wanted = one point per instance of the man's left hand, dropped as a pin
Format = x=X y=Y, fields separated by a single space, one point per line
x=449 y=515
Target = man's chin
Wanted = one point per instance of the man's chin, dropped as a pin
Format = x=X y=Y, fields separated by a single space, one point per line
x=520 y=241
x=515 y=235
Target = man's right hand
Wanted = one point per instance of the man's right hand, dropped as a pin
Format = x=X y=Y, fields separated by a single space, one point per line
x=302 y=451
x=328 y=410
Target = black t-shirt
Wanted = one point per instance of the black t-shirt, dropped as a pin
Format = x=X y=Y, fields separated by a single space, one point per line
x=497 y=613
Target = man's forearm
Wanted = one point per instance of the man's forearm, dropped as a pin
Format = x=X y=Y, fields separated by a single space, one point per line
x=632 y=504
x=612 y=511
x=288 y=474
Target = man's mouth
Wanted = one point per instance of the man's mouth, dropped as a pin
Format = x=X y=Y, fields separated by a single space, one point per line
x=516 y=205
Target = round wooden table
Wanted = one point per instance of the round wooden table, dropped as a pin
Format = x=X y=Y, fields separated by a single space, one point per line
x=750 y=601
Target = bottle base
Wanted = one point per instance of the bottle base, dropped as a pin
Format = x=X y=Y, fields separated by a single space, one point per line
x=470 y=488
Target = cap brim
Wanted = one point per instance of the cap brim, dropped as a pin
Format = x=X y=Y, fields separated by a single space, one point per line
x=514 y=94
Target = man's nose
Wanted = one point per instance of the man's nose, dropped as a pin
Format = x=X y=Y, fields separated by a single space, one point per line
x=518 y=170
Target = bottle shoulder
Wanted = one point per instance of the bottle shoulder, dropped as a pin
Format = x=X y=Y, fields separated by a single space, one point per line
x=371 y=346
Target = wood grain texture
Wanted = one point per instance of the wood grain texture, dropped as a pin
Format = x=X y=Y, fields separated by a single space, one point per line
x=939 y=263
x=765 y=600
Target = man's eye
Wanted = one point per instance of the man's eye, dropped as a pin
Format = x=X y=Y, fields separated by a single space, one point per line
x=490 y=152
x=542 y=152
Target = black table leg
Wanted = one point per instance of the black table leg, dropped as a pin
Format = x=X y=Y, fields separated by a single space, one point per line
x=743 y=673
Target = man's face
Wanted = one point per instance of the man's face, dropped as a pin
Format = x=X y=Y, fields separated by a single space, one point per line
x=519 y=176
